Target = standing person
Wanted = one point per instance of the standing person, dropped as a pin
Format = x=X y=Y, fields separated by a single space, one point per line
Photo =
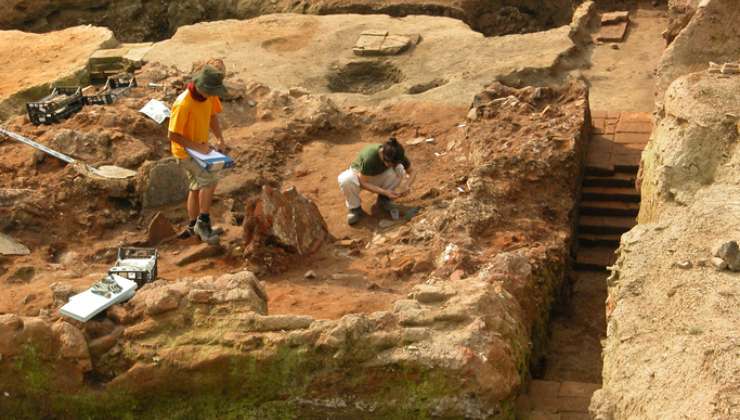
x=194 y=115
x=378 y=168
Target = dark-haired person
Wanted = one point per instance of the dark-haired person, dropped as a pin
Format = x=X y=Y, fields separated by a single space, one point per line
x=378 y=168
x=194 y=116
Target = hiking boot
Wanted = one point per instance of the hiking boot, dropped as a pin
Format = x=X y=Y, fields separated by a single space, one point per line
x=187 y=233
x=354 y=215
x=205 y=233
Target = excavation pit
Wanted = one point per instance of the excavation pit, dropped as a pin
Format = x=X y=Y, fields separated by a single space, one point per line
x=364 y=77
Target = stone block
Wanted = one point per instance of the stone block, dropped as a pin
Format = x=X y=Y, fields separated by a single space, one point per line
x=624 y=138
x=612 y=33
x=573 y=404
x=577 y=389
x=9 y=246
x=540 y=390
x=159 y=229
x=198 y=253
x=163 y=183
x=644 y=127
x=615 y=17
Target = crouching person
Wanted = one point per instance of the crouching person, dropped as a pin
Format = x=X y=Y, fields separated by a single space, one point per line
x=378 y=168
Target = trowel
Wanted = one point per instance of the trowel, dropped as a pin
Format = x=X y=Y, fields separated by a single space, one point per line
x=107 y=171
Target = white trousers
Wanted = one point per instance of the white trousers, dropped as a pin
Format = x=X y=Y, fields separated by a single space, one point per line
x=349 y=183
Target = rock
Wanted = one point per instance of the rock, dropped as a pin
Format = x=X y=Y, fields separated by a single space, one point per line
x=198 y=253
x=718 y=263
x=287 y=218
x=310 y=275
x=101 y=345
x=730 y=253
x=60 y=293
x=684 y=265
x=201 y=296
x=615 y=17
x=282 y=322
x=161 y=300
x=72 y=343
x=162 y=183
x=473 y=114
x=119 y=314
x=9 y=246
x=430 y=294
x=614 y=46
x=159 y=229
x=22 y=275
x=11 y=326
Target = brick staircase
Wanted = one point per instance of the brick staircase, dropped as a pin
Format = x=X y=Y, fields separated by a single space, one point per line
x=608 y=207
x=609 y=201
x=550 y=400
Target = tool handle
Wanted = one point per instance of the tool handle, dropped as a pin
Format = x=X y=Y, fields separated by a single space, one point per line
x=39 y=146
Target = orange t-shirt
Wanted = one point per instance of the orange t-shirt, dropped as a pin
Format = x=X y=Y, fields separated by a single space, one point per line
x=192 y=120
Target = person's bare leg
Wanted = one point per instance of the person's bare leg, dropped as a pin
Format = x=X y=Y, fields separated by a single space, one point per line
x=206 y=198
x=193 y=204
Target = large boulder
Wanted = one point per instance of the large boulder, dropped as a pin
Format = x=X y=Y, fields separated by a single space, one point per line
x=286 y=218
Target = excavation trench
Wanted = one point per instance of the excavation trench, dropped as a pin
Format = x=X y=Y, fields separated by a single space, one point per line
x=440 y=316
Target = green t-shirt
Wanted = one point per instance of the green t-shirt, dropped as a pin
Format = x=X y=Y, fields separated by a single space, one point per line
x=369 y=163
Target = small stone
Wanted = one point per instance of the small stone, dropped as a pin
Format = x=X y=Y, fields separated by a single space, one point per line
x=730 y=253
x=614 y=46
x=473 y=114
x=684 y=265
x=457 y=275
x=251 y=103
x=718 y=263
x=310 y=275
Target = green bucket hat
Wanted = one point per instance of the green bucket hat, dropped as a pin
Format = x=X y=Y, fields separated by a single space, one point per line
x=210 y=81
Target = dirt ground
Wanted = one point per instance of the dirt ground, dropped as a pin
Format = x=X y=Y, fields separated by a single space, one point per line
x=622 y=75
x=345 y=283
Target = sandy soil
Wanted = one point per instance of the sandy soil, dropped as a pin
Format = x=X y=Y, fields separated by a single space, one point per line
x=623 y=79
x=45 y=58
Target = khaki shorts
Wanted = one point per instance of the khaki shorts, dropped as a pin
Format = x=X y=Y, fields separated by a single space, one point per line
x=199 y=178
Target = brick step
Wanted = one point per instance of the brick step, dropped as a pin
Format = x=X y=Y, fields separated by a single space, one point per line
x=610 y=194
x=627 y=165
x=593 y=240
x=546 y=400
x=609 y=208
x=616 y=179
x=605 y=224
x=594 y=259
x=593 y=169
